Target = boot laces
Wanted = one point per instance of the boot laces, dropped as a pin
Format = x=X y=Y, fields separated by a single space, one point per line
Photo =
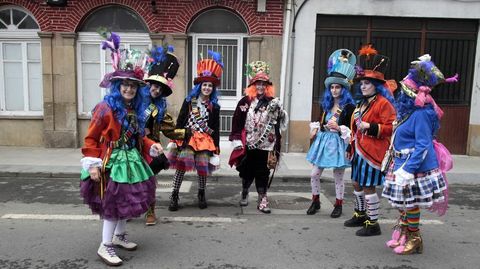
x=110 y=250
x=122 y=237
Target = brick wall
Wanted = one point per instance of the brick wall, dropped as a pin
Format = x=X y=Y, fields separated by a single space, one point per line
x=173 y=16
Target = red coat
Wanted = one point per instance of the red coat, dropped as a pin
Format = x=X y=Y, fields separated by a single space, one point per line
x=105 y=128
x=373 y=144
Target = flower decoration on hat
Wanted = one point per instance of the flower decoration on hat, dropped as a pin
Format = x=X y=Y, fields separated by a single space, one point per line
x=162 y=66
x=126 y=63
x=372 y=65
x=258 y=71
x=209 y=70
x=341 y=68
x=422 y=76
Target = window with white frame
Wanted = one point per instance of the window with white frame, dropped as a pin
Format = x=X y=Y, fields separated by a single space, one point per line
x=94 y=63
x=21 y=91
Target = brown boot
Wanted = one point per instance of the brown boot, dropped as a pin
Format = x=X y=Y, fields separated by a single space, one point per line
x=150 y=218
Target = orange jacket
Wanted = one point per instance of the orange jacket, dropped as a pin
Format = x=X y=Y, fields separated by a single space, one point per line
x=105 y=128
x=373 y=143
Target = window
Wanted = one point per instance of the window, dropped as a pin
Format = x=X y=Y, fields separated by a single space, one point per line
x=94 y=63
x=21 y=91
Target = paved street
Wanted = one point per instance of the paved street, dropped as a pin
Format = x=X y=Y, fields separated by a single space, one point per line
x=44 y=224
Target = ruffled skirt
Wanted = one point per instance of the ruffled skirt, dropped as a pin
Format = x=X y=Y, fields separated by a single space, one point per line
x=129 y=189
x=426 y=189
x=328 y=151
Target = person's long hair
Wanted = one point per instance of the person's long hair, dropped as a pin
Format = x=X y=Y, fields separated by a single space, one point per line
x=160 y=102
x=379 y=88
x=327 y=101
x=197 y=89
x=115 y=101
x=251 y=91
x=405 y=105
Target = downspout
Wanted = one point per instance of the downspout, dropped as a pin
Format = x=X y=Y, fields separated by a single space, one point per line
x=285 y=49
x=288 y=79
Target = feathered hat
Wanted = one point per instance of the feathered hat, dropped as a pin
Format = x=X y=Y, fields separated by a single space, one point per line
x=372 y=65
x=162 y=66
x=209 y=70
x=422 y=76
x=341 y=68
x=258 y=71
x=126 y=63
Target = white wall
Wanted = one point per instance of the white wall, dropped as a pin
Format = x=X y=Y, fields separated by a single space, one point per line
x=302 y=74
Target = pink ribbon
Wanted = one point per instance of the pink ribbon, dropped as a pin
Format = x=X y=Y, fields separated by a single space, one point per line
x=424 y=97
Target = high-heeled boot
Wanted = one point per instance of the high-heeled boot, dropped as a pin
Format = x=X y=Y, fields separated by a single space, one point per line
x=413 y=244
x=173 y=201
x=202 y=201
x=399 y=237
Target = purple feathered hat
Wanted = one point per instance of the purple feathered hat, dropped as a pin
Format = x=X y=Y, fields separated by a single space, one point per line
x=126 y=63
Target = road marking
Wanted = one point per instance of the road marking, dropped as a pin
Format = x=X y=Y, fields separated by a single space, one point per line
x=95 y=217
x=166 y=186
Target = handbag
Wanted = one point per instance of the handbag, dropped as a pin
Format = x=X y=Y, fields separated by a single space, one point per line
x=387 y=161
x=272 y=159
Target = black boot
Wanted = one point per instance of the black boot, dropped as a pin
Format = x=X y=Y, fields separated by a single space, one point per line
x=314 y=207
x=202 y=202
x=359 y=217
x=173 y=201
x=369 y=228
x=337 y=211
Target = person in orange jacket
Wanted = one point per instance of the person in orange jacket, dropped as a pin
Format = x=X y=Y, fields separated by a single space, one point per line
x=371 y=131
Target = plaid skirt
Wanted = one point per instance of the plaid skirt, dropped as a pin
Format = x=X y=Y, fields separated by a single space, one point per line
x=189 y=160
x=427 y=189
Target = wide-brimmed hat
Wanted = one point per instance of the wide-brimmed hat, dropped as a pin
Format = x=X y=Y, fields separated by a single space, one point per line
x=258 y=71
x=210 y=70
x=162 y=68
x=372 y=66
x=126 y=63
x=341 y=68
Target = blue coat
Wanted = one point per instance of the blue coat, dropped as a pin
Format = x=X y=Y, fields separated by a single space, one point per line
x=417 y=133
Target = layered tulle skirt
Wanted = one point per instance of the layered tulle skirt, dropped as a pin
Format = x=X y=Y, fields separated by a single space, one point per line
x=128 y=190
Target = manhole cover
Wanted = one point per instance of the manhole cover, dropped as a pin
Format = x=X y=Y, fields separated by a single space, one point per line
x=288 y=202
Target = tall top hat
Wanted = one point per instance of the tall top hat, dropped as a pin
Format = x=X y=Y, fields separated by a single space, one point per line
x=258 y=71
x=162 y=66
x=209 y=70
x=372 y=65
x=126 y=63
x=341 y=68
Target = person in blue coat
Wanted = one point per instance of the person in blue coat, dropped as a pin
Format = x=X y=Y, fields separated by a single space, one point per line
x=414 y=180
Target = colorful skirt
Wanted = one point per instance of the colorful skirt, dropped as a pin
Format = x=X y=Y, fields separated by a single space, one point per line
x=129 y=188
x=427 y=189
x=328 y=151
x=189 y=160
x=364 y=173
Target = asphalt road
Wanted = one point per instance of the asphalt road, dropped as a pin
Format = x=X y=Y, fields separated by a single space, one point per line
x=43 y=224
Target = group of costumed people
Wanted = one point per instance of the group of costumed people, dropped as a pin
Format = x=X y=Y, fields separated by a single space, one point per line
x=122 y=151
x=387 y=142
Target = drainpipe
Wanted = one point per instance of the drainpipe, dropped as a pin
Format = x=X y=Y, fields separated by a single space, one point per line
x=288 y=78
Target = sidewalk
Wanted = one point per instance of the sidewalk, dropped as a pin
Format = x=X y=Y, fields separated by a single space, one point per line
x=48 y=162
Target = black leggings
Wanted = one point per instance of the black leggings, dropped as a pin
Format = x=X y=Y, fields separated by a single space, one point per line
x=256 y=169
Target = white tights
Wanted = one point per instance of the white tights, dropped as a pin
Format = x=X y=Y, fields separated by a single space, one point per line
x=337 y=175
x=110 y=227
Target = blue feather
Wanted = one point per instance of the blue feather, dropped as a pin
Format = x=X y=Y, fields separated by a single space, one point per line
x=217 y=57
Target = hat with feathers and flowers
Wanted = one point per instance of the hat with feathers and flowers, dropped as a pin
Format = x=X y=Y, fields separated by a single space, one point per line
x=258 y=71
x=162 y=66
x=127 y=63
x=372 y=65
x=209 y=70
x=422 y=76
x=341 y=68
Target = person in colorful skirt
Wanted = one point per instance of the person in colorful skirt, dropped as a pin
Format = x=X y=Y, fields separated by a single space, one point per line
x=200 y=116
x=332 y=134
x=116 y=182
x=256 y=125
x=162 y=68
x=414 y=178
x=371 y=131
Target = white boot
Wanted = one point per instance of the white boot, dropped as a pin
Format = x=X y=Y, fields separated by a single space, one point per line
x=120 y=240
x=108 y=255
